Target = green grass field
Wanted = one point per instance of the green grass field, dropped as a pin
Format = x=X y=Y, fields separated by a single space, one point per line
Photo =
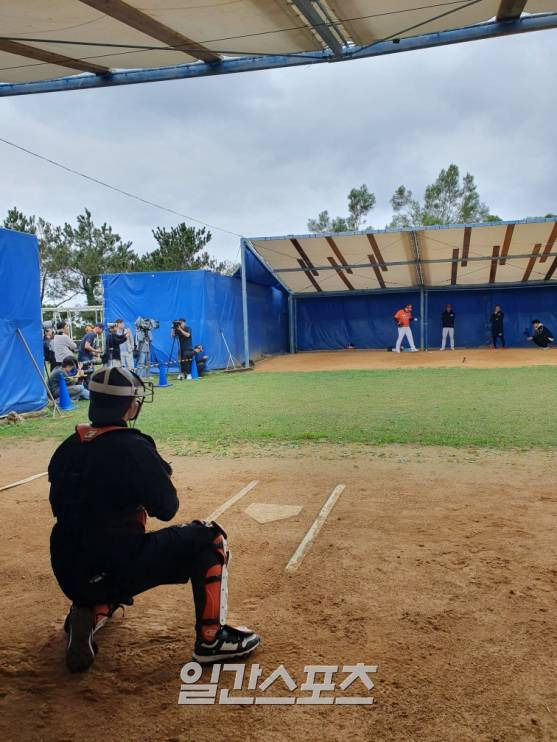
x=499 y=408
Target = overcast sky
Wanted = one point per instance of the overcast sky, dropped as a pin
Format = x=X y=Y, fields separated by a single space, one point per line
x=261 y=152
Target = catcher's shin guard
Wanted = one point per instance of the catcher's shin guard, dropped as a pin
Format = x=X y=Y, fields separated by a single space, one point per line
x=211 y=590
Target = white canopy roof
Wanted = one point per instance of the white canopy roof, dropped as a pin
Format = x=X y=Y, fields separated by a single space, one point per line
x=50 y=39
x=496 y=253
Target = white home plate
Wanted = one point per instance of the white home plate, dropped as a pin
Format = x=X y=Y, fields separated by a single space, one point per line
x=266 y=513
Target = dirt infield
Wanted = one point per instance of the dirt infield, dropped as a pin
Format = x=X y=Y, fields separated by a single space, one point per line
x=437 y=565
x=373 y=359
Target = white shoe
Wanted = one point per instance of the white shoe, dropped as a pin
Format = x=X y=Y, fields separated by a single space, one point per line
x=188 y=377
x=395 y=350
x=180 y=377
x=413 y=350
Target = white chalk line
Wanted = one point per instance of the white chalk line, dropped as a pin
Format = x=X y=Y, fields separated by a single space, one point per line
x=23 y=481
x=231 y=500
x=305 y=543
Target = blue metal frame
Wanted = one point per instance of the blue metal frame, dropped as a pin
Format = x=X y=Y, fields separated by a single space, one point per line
x=416 y=289
x=489 y=30
x=434 y=227
x=245 y=321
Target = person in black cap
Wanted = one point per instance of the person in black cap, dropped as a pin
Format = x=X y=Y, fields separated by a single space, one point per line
x=541 y=335
x=447 y=325
x=116 y=337
x=105 y=480
x=200 y=360
x=497 y=332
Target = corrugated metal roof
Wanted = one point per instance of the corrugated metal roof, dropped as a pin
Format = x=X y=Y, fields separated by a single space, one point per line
x=496 y=253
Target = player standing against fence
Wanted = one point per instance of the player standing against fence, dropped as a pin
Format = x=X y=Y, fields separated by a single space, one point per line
x=447 y=323
x=497 y=332
x=403 y=318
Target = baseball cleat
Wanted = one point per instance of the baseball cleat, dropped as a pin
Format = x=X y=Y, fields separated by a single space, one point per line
x=81 y=649
x=230 y=643
x=102 y=613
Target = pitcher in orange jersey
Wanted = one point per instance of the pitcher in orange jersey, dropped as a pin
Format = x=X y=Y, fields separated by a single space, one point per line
x=403 y=318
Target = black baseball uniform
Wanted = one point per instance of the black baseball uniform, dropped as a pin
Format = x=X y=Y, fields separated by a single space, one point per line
x=542 y=336
x=497 y=331
x=102 y=480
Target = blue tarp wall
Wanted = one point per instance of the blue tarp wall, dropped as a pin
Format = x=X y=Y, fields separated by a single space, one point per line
x=366 y=321
x=209 y=302
x=20 y=307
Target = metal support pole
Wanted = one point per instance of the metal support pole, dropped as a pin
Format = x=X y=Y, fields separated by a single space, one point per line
x=291 y=323
x=245 y=304
x=55 y=409
x=422 y=320
x=295 y=307
x=426 y=319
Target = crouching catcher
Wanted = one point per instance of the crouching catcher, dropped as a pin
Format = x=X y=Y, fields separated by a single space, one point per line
x=105 y=480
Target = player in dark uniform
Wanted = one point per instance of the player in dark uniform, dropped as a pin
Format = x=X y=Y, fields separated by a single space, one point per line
x=447 y=325
x=541 y=335
x=497 y=332
x=105 y=480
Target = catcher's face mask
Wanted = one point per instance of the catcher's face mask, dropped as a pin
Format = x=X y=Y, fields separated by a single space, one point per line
x=121 y=382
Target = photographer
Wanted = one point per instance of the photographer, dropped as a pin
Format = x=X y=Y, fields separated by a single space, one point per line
x=68 y=372
x=62 y=345
x=116 y=336
x=88 y=350
x=127 y=349
x=182 y=333
x=541 y=335
x=143 y=340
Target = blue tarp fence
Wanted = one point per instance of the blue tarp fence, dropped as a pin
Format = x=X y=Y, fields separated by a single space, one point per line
x=209 y=302
x=21 y=389
x=366 y=321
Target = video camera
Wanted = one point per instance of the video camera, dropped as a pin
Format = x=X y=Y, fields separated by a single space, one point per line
x=146 y=324
x=176 y=323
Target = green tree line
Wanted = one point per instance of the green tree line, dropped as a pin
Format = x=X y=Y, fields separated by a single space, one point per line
x=450 y=199
x=74 y=256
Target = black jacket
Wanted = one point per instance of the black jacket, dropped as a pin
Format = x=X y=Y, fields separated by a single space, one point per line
x=447 y=319
x=496 y=320
x=114 y=343
x=544 y=332
x=95 y=491
x=186 y=343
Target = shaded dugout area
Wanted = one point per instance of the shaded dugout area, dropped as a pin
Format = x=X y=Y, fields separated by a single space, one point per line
x=344 y=288
x=367 y=321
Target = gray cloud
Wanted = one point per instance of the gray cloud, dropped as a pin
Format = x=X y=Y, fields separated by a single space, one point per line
x=259 y=153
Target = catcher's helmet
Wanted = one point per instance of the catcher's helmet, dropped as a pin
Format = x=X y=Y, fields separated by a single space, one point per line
x=112 y=391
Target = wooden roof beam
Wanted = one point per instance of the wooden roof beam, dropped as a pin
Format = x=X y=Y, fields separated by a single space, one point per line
x=33 y=52
x=510 y=10
x=149 y=26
